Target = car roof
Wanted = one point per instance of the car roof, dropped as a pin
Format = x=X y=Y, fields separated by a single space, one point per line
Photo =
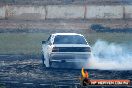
x=66 y=34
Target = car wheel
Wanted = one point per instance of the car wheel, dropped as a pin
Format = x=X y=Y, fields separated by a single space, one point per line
x=47 y=63
x=42 y=57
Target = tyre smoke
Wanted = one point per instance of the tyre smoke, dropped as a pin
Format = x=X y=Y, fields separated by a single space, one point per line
x=110 y=56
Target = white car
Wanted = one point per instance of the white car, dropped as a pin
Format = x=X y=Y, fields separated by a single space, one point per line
x=65 y=48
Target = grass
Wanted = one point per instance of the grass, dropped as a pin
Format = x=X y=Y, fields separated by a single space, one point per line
x=30 y=43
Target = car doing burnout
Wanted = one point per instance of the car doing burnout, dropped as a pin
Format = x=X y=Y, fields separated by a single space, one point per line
x=65 y=48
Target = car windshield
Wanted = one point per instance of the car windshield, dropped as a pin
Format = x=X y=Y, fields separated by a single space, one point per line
x=69 y=39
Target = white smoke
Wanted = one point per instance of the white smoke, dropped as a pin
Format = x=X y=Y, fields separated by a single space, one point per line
x=110 y=56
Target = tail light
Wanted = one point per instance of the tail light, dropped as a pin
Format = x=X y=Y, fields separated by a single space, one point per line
x=87 y=49
x=55 y=49
x=71 y=49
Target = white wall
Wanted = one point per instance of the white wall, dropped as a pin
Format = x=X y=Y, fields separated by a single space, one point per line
x=128 y=11
x=2 y=12
x=28 y=12
x=104 y=12
x=25 y=12
x=65 y=11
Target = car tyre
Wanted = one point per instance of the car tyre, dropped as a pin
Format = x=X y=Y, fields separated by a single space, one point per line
x=46 y=62
x=42 y=57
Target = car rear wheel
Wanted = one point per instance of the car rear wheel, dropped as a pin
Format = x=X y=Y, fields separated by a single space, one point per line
x=42 y=57
x=46 y=62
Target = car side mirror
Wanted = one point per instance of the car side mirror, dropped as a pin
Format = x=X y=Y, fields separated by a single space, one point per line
x=43 y=42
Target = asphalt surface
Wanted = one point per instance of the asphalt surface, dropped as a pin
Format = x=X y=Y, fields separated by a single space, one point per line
x=26 y=71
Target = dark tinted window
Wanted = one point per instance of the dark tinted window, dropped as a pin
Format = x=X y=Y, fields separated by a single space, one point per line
x=69 y=39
